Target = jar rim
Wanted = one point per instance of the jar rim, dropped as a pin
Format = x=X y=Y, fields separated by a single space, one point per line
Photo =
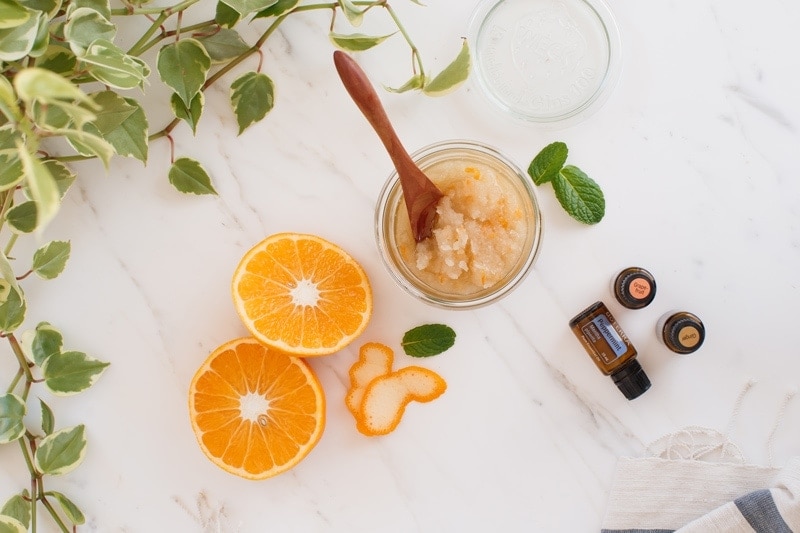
x=544 y=62
x=389 y=197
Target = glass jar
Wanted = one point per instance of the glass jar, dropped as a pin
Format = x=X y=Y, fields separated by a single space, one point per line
x=546 y=62
x=487 y=235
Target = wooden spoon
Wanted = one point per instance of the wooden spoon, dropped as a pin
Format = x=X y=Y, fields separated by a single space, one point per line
x=419 y=191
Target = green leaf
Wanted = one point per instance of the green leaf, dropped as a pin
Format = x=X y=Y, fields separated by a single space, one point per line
x=7 y=273
x=108 y=64
x=69 y=373
x=252 y=97
x=123 y=123
x=19 y=508
x=416 y=82
x=183 y=67
x=62 y=174
x=8 y=100
x=579 y=195
x=226 y=16
x=278 y=8
x=42 y=85
x=89 y=144
x=48 y=418
x=12 y=311
x=49 y=260
x=11 y=525
x=70 y=509
x=58 y=115
x=452 y=76
x=12 y=410
x=188 y=176
x=85 y=26
x=192 y=114
x=354 y=15
x=41 y=185
x=42 y=40
x=101 y=6
x=12 y=14
x=61 y=452
x=11 y=172
x=58 y=59
x=47 y=341
x=224 y=45
x=17 y=42
x=356 y=42
x=245 y=7
x=22 y=217
x=49 y=7
x=548 y=163
x=112 y=110
x=428 y=340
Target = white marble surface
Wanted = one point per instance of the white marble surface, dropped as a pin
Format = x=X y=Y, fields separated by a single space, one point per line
x=698 y=152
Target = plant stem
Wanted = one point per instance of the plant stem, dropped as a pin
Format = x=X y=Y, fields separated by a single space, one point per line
x=414 y=51
x=34 y=481
x=21 y=359
x=49 y=506
x=15 y=381
x=139 y=46
x=128 y=11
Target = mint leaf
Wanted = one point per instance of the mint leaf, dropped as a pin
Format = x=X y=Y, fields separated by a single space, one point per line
x=579 y=195
x=428 y=340
x=548 y=163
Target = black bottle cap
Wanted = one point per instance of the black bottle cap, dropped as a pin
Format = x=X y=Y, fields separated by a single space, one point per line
x=631 y=380
x=635 y=288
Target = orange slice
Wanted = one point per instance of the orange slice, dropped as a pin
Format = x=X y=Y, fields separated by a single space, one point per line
x=374 y=360
x=302 y=294
x=256 y=411
x=386 y=398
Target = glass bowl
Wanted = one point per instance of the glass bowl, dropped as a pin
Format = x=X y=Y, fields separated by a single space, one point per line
x=545 y=61
x=487 y=235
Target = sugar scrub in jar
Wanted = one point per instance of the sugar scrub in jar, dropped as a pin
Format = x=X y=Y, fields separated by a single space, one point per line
x=487 y=232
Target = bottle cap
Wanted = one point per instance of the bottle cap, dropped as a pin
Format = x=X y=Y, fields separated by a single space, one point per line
x=684 y=333
x=635 y=288
x=631 y=380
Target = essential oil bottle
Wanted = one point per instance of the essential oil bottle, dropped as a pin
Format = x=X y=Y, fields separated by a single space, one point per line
x=681 y=331
x=609 y=347
x=634 y=287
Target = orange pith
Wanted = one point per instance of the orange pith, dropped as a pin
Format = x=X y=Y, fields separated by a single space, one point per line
x=256 y=411
x=302 y=294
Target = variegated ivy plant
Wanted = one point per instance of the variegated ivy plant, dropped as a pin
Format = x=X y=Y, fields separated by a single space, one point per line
x=63 y=77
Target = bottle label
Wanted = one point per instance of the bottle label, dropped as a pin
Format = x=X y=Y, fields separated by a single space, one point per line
x=612 y=338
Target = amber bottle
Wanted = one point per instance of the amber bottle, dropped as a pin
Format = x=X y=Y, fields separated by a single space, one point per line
x=609 y=347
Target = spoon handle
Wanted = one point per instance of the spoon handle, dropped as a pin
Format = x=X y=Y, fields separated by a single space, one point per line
x=363 y=94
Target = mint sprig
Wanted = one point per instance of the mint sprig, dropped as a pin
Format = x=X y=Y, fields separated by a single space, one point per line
x=579 y=195
x=428 y=340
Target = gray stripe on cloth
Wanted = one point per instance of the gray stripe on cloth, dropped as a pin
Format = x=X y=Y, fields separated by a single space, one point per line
x=759 y=509
x=639 y=531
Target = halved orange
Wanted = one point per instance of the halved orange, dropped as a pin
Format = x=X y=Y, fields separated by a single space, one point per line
x=256 y=411
x=302 y=294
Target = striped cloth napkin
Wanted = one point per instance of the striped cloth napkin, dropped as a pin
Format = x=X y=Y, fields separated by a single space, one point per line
x=656 y=495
